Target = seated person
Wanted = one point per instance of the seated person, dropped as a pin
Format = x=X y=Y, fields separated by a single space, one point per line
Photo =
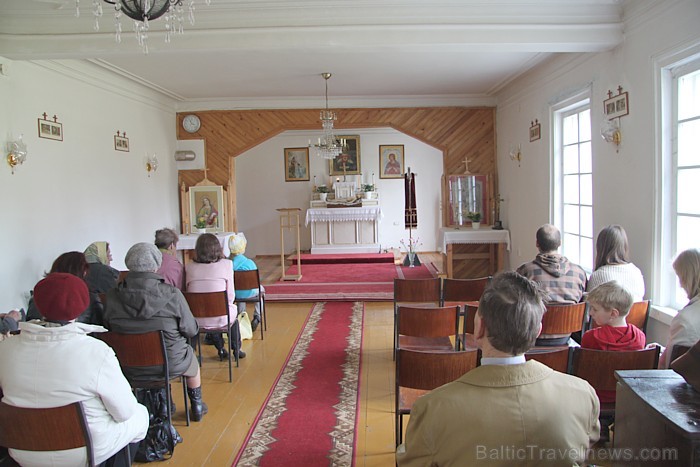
x=73 y=262
x=237 y=244
x=101 y=276
x=143 y=302
x=9 y=322
x=507 y=401
x=172 y=269
x=67 y=366
x=211 y=272
x=685 y=326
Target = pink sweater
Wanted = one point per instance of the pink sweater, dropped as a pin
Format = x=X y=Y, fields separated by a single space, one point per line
x=212 y=277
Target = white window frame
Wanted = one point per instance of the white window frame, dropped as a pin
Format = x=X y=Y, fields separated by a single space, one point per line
x=573 y=104
x=667 y=69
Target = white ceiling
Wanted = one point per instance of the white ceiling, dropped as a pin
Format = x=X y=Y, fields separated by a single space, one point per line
x=259 y=53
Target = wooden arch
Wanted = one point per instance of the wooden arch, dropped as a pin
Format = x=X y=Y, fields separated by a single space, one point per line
x=459 y=132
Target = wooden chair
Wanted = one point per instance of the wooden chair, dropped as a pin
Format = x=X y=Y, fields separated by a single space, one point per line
x=428 y=328
x=678 y=350
x=598 y=368
x=559 y=359
x=638 y=315
x=425 y=291
x=145 y=350
x=563 y=320
x=419 y=372
x=246 y=280
x=460 y=291
x=122 y=276
x=52 y=429
x=212 y=305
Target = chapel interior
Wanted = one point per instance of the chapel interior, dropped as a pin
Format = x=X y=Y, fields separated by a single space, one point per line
x=468 y=90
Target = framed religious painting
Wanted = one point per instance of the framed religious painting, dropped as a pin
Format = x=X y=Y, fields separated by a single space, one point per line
x=207 y=208
x=391 y=163
x=348 y=162
x=296 y=164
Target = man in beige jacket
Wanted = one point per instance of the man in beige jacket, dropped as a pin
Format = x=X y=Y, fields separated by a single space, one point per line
x=507 y=411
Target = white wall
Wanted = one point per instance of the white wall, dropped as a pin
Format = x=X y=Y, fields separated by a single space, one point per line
x=71 y=193
x=261 y=189
x=623 y=181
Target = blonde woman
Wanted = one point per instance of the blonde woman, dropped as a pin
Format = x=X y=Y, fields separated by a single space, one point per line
x=685 y=326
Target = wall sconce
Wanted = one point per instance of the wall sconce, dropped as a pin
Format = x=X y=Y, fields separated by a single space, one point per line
x=516 y=154
x=151 y=163
x=610 y=131
x=17 y=153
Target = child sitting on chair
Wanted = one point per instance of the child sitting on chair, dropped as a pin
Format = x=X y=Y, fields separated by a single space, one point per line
x=237 y=244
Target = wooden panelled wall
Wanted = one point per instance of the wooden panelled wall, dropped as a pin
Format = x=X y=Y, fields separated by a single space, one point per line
x=458 y=132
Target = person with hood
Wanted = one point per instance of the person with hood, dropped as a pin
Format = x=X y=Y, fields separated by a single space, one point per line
x=100 y=276
x=563 y=281
x=143 y=302
x=609 y=305
x=55 y=362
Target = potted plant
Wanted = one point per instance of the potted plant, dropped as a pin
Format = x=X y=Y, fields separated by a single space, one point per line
x=367 y=190
x=201 y=225
x=475 y=217
x=322 y=191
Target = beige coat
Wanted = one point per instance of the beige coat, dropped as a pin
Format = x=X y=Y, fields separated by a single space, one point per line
x=526 y=414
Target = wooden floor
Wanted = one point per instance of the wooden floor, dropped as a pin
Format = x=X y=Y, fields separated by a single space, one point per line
x=233 y=406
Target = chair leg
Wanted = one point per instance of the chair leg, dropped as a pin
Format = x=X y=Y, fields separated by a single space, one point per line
x=230 y=351
x=262 y=319
x=184 y=392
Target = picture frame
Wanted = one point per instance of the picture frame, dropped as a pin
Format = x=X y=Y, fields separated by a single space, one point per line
x=616 y=106
x=50 y=130
x=121 y=143
x=535 y=132
x=296 y=164
x=348 y=162
x=391 y=161
x=207 y=203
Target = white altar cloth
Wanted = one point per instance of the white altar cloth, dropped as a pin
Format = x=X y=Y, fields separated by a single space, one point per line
x=469 y=235
x=365 y=213
x=187 y=242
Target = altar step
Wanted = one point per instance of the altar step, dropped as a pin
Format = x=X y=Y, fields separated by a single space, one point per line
x=344 y=258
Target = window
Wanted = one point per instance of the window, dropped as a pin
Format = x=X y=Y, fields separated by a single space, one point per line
x=572 y=203
x=681 y=173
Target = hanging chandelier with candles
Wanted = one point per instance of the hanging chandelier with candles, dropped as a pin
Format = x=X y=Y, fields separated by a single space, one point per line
x=328 y=146
x=143 y=11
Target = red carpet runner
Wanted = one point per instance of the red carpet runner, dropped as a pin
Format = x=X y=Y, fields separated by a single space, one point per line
x=310 y=415
x=365 y=282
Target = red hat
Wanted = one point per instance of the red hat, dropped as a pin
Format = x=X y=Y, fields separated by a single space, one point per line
x=61 y=296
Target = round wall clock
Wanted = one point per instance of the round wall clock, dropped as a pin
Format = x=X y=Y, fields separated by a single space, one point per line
x=191 y=123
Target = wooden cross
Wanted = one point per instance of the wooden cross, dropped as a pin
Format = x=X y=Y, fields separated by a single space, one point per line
x=619 y=90
x=55 y=119
x=44 y=115
x=466 y=166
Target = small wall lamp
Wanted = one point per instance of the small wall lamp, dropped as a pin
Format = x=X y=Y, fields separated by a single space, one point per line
x=17 y=153
x=151 y=163
x=516 y=154
x=610 y=131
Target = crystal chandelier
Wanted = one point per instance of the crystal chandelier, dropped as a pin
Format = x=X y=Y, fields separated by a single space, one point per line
x=143 y=11
x=329 y=146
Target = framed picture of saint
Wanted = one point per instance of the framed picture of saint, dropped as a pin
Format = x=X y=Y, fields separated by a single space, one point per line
x=296 y=164
x=348 y=161
x=207 y=208
x=391 y=162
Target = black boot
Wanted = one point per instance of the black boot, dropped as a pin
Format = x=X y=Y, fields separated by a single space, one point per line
x=198 y=407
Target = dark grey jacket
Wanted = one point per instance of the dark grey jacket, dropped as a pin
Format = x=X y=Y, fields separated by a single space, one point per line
x=143 y=302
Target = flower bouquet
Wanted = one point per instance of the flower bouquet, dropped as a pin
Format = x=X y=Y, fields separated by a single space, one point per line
x=411 y=245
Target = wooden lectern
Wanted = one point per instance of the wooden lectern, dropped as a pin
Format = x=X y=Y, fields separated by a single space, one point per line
x=289 y=219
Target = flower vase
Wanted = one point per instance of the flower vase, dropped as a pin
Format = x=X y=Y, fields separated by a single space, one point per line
x=411 y=259
x=323 y=196
x=476 y=225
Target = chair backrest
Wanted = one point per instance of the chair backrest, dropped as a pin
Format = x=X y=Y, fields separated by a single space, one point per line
x=207 y=304
x=428 y=321
x=122 y=276
x=463 y=290
x=246 y=280
x=470 y=310
x=678 y=350
x=428 y=370
x=598 y=366
x=52 y=429
x=558 y=360
x=564 y=319
x=638 y=315
x=417 y=290
x=137 y=350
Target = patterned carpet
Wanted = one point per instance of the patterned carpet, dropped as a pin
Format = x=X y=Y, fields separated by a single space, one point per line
x=310 y=415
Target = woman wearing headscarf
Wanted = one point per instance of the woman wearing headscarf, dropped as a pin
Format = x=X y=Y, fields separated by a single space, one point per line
x=55 y=362
x=101 y=276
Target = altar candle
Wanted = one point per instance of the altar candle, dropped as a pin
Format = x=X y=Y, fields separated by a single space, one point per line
x=372 y=178
x=314 y=180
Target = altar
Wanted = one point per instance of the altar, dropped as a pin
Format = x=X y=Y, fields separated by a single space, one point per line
x=344 y=230
x=472 y=253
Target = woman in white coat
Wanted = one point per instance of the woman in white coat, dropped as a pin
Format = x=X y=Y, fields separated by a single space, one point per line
x=55 y=362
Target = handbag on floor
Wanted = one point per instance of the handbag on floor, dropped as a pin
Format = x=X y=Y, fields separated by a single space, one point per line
x=161 y=437
x=245 y=326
